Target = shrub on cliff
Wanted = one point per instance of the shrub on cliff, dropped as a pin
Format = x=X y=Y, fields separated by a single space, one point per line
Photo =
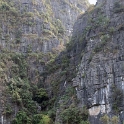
x=118 y=7
x=74 y=115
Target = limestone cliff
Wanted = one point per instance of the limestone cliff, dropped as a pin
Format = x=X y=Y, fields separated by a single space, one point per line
x=93 y=65
x=32 y=33
x=99 y=82
x=83 y=84
x=39 y=24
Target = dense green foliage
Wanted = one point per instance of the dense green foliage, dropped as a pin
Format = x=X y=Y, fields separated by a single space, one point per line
x=109 y=120
x=22 y=93
x=74 y=115
x=26 y=91
x=118 y=7
x=23 y=118
x=41 y=97
x=117 y=99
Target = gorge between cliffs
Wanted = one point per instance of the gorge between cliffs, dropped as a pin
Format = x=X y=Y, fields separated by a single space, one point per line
x=61 y=62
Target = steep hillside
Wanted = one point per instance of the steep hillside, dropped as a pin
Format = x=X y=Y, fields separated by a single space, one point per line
x=39 y=24
x=83 y=84
x=89 y=73
x=32 y=33
x=100 y=79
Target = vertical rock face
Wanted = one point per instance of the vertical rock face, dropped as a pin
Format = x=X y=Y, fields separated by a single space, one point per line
x=67 y=11
x=100 y=80
x=99 y=84
x=40 y=25
x=37 y=28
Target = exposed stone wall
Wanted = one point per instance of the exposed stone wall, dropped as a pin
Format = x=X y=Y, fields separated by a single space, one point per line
x=102 y=66
x=39 y=27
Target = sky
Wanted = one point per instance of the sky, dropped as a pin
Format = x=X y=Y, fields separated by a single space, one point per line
x=92 y=1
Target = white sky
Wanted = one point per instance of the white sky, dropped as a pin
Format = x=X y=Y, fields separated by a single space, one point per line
x=92 y=1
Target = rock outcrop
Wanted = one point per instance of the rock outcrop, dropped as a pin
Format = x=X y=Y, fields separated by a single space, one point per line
x=40 y=25
x=86 y=78
x=32 y=33
x=99 y=82
x=94 y=59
